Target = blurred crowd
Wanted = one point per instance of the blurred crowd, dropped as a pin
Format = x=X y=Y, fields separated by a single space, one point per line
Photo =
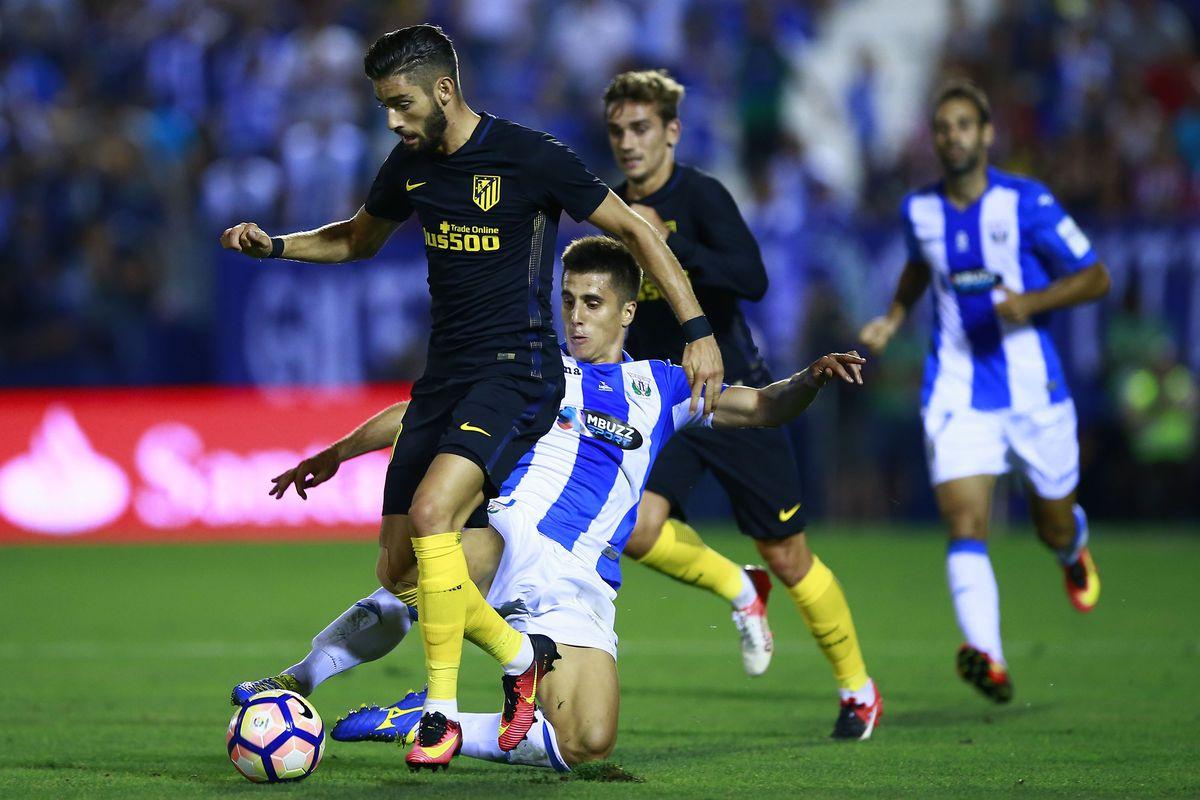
x=133 y=131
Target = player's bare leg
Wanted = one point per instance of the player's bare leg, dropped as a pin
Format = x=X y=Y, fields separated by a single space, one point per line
x=822 y=605
x=673 y=548
x=581 y=700
x=1062 y=524
x=966 y=504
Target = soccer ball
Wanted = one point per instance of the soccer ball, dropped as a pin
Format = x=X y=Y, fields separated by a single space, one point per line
x=276 y=736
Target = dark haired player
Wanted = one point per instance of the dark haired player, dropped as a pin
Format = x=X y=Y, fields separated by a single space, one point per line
x=1000 y=253
x=488 y=194
x=701 y=224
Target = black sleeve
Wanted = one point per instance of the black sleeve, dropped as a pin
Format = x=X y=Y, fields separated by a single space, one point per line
x=727 y=257
x=387 y=198
x=563 y=179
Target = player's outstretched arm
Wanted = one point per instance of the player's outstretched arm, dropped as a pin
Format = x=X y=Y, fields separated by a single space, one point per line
x=913 y=281
x=783 y=401
x=375 y=434
x=361 y=236
x=701 y=357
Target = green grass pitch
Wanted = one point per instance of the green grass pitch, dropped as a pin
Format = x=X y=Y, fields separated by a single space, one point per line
x=116 y=665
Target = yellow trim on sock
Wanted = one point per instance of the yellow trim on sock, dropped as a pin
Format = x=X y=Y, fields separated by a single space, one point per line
x=823 y=607
x=441 y=608
x=407 y=595
x=680 y=553
x=487 y=630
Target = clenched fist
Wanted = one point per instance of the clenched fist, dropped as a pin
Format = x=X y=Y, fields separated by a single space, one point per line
x=248 y=238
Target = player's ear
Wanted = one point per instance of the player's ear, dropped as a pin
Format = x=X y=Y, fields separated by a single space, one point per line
x=627 y=313
x=444 y=90
x=674 y=129
x=989 y=134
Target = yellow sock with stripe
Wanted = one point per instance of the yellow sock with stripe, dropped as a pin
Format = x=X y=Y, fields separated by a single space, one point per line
x=488 y=631
x=683 y=555
x=441 y=611
x=823 y=606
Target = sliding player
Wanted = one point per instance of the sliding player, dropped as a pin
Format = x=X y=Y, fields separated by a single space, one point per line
x=565 y=515
x=1000 y=253
x=489 y=194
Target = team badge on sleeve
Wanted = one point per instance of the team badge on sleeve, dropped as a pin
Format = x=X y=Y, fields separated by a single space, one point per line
x=485 y=191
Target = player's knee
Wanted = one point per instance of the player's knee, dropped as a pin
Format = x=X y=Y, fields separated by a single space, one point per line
x=644 y=535
x=787 y=559
x=967 y=525
x=429 y=514
x=593 y=743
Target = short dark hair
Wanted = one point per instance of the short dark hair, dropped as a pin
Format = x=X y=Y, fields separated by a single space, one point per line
x=654 y=86
x=960 y=89
x=418 y=47
x=607 y=257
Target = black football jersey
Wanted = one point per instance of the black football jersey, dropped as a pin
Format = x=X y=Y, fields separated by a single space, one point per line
x=489 y=212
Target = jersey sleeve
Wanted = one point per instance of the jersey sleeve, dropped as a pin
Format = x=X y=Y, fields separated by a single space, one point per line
x=563 y=180
x=387 y=198
x=728 y=257
x=1054 y=234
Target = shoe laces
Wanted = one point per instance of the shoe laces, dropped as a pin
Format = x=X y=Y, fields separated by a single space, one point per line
x=431 y=729
x=511 y=696
x=748 y=621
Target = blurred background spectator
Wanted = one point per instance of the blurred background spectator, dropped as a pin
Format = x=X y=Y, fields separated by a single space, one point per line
x=133 y=131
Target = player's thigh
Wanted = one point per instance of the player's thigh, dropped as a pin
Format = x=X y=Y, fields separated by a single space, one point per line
x=965 y=443
x=1045 y=447
x=581 y=699
x=966 y=504
x=498 y=421
x=653 y=511
x=396 y=567
x=483 y=549
x=450 y=491
x=757 y=469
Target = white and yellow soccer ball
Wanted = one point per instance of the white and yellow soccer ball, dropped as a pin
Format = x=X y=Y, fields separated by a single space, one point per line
x=276 y=736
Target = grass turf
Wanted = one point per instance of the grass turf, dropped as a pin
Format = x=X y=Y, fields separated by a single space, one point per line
x=117 y=662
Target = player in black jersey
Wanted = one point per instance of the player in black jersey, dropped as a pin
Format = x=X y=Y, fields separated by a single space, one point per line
x=701 y=224
x=488 y=194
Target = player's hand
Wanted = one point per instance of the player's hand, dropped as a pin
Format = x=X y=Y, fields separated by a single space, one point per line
x=877 y=333
x=1014 y=307
x=847 y=366
x=650 y=215
x=248 y=238
x=308 y=473
x=704 y=369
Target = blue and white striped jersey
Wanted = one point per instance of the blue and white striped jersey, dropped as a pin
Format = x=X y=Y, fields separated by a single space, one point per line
x=1016 y=234
x=584 y=478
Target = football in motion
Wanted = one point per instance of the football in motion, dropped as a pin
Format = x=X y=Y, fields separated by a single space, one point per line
x=276 y=736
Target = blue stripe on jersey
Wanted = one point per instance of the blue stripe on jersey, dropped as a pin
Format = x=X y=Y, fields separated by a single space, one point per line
x=931 y=360
x=595 y=470
x=989 y=381
x=609 y=569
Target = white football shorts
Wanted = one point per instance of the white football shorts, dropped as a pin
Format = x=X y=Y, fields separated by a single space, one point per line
x=540 y=587
x=1042 y=443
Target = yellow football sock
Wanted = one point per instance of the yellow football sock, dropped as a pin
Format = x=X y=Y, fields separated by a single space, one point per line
x=487 y=630
x=407 y=595
x=682 y=554
x=441 y=608
x=823 y=606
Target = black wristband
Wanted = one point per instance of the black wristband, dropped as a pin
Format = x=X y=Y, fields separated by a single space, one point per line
x=696 y=328
x=276 y=247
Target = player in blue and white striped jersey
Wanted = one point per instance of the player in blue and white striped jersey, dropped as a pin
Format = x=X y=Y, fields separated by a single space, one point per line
x=564 y=516
x=1000 y=253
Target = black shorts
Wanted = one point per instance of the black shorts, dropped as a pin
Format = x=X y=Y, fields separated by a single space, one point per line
x=755 y=466
x=493 y=421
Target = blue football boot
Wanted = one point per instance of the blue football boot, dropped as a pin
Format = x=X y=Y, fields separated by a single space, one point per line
x=394 y=723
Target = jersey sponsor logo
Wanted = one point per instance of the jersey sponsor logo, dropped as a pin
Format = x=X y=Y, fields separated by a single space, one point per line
x=649 y=290
x=598 y=425
x=485 y=191
x=463 y=238
x=787 y=513
x=409 y=185
x=469 y=428
x=641 y=387
x=974 y=281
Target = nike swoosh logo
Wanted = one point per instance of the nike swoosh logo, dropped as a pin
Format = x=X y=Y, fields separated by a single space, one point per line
x=784 y=516
x=466 y=426
x=439 y=750
x=409 y=186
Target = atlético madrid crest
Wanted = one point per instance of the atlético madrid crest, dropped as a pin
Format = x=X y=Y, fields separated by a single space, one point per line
x=486 y=191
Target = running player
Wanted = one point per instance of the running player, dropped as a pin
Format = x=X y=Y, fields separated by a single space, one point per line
x=1000 y=253
x=701 y=224
x=488 y=194
x=564 y=514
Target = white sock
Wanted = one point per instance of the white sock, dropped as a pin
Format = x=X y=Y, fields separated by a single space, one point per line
x=865 y=695
x=747 y=595
x=975 y=595
x=1071 y=554
x=448 y=708
x=368 y=630
x=523 y=659
x=539 y=748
